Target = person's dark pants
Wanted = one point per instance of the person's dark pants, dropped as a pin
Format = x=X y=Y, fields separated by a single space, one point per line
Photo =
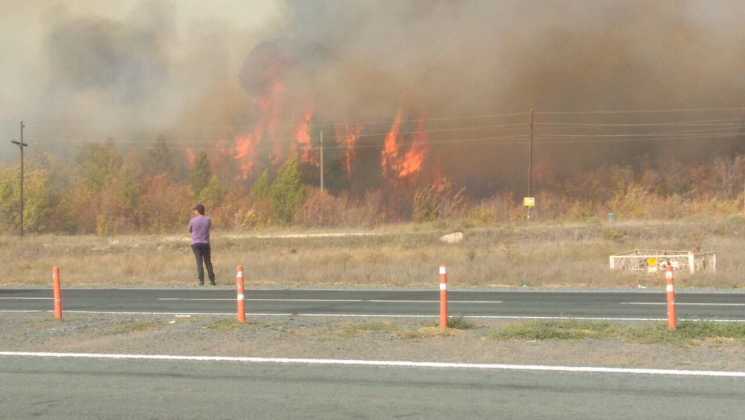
x=202 y=254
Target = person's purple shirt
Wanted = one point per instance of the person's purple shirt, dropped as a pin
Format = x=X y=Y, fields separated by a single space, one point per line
x=199 y=226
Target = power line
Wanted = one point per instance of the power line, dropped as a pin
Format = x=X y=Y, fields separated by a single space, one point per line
x=387 y=120
x=556 y=130
x=671 y=133
x=641 y=140
x=446 y=130
x=496 y=140
x=203 y=146
x=650 y=124
x=557 y=125
x=643 y=111
x=364 y=135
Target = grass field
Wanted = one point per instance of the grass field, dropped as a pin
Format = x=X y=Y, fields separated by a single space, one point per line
x=647 y=333
x=510 y=255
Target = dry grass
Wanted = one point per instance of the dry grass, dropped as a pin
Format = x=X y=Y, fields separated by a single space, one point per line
x=135 y=327
x=226 y=325
x=511 y=255
x=688 y=333
x=356 y=329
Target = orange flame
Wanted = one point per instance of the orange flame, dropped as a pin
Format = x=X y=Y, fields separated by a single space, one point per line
x=390 y=148
x=244 y=147
x=410 y=164
x=351 y=135
x=302 y=135
x=414 y=158
x=245 y=151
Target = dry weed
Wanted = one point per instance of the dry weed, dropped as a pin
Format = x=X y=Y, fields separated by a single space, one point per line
x=512 y=255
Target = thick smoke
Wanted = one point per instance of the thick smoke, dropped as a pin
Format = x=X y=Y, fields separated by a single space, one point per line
x=152 y=69
x=456 y=57
x=362 y=60
x=130 y=71
x=126 y=63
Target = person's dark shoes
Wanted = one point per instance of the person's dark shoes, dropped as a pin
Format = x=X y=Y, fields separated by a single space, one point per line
x=212 y=283
x=201 y=283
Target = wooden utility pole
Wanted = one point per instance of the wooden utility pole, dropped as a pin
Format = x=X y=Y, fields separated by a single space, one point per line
x=530 y=164
x=321 y=163
x=21 y=145
x=530 y=159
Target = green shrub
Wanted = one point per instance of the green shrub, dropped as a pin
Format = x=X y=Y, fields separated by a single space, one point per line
x=287 y=192
x=39 y=201
x=201 y=174
x=460 y=323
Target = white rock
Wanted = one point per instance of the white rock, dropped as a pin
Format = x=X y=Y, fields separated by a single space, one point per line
x=452 y=238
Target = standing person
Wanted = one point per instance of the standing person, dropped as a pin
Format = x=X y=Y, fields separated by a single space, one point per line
x=199 y=226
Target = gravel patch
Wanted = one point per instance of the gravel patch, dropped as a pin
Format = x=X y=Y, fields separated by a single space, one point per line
x=380 y=339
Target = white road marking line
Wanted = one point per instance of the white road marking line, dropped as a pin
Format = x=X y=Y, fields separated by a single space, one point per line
x=23 y=311
x=258 y=300
x=25 y=298
x=684 y=303
x=259 y=314
x=176 y=314
x=380 y=363
x=430 y=301
x=311 y=315
x=323 y=300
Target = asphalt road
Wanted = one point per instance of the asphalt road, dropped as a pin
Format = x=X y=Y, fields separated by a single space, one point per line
x=622 y=305
x=88 y=389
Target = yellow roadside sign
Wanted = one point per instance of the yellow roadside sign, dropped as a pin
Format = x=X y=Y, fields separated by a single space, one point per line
x=651 y=265
x=529 y=201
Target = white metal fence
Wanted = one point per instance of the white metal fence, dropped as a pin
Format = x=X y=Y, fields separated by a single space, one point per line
x=654 y=260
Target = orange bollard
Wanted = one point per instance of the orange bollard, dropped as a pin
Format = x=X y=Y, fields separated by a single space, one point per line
x=240 y=290
x=443 y=298
x=672 y=317
x=57 y=287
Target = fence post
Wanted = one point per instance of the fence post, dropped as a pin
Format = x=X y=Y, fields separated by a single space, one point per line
x=691 y=262
x=57 y=287
x=443 y=298
x=240 y=290
x=672 y=318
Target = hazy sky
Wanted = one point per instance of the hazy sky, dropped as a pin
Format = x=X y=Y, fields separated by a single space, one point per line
x=25 y=31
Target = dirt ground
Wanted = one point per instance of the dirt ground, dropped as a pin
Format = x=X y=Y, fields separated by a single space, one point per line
x=509 y=255
x=381 y=339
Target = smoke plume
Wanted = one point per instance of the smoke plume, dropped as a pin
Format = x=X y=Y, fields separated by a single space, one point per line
x=200 y=76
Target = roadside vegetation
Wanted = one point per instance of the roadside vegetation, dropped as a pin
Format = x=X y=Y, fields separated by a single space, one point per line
x=110 y=215
x=135 y=327
x=505 y=255
x=696 y=345
x=107 y=189
x=688 y=332
x=649 y=333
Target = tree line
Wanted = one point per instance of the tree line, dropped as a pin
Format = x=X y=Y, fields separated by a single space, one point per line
x=105 y=189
